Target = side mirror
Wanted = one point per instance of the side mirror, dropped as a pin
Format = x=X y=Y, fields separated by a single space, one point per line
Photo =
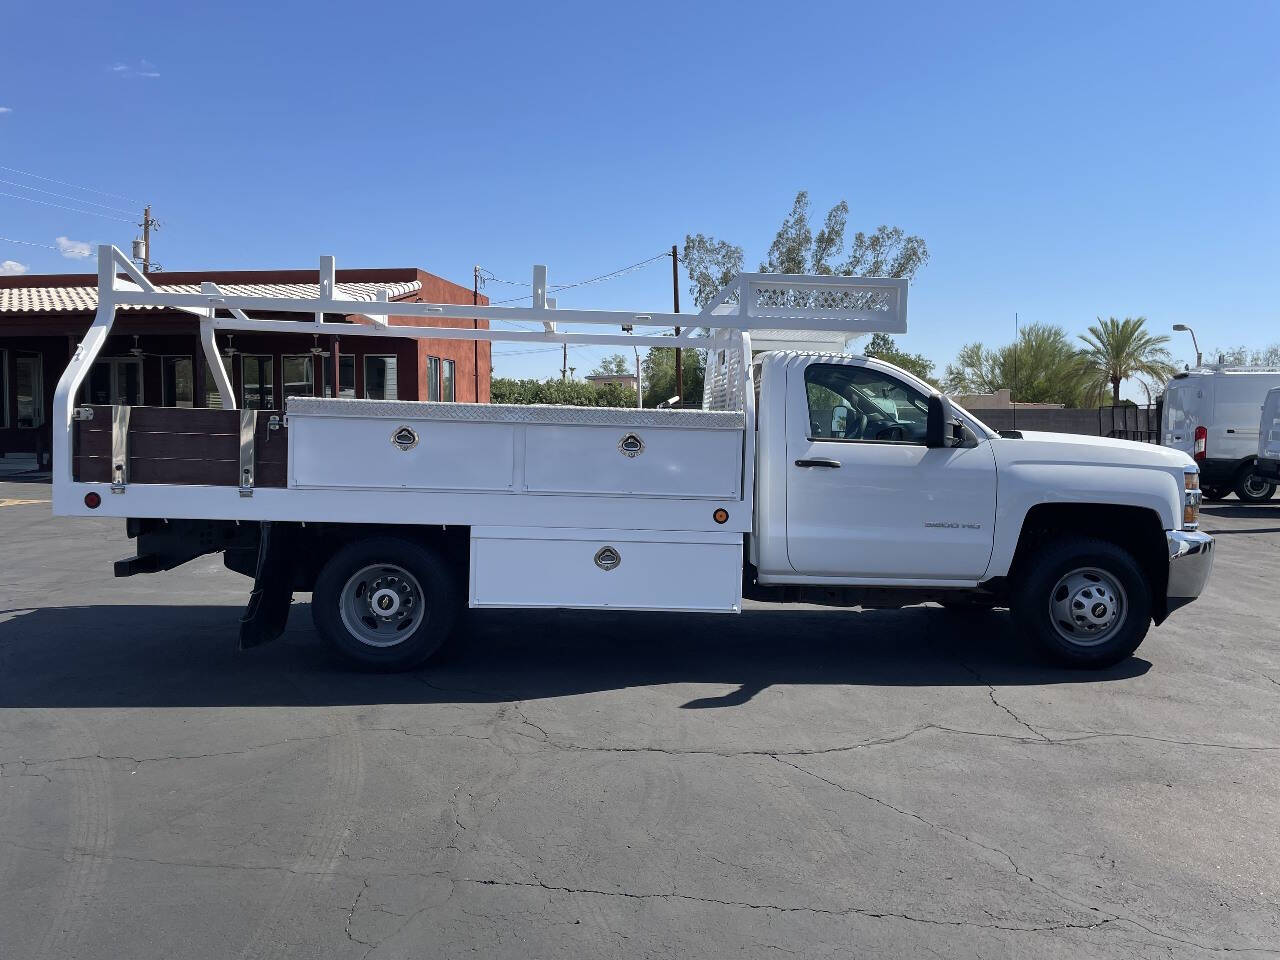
x=839 y=421
x=942 y=429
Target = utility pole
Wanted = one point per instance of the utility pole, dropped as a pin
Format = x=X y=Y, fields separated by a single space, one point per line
x=564 y=360
x=675 y=293
x=475 y=344
x=146 y=225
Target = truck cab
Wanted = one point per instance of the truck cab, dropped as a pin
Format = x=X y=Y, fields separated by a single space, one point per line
x=868 y=482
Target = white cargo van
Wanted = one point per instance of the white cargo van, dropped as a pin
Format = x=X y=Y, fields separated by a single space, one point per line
x=1268 y=467
x=1212 y=414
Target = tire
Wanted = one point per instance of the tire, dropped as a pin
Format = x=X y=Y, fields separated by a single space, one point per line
x=1215 y=494
x=1084 y=602
x=411 y=582
x=1251 y=488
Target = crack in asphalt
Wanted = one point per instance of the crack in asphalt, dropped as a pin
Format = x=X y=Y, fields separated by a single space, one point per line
x=783 y=908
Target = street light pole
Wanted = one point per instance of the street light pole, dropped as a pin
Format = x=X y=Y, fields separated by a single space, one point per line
x=1183 y=328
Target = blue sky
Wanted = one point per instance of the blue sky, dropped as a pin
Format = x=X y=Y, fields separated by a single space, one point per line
x=1062 y=161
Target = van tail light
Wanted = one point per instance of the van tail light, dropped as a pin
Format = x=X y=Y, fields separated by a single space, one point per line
x=1202 y=443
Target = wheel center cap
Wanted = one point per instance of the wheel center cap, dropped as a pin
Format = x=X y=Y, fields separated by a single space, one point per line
x=385 y=602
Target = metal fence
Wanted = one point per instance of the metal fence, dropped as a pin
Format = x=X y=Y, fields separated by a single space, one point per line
x=1127 y=422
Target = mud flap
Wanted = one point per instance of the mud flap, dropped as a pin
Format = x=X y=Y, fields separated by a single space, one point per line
x=268 y=610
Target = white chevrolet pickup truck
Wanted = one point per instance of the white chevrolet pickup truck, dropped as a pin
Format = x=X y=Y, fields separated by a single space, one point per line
x=808 y=476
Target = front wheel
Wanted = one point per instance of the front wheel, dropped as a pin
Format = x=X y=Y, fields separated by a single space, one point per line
x=385 y=603
x=1084 y=602
x=1252 y=488
x=1215 y=494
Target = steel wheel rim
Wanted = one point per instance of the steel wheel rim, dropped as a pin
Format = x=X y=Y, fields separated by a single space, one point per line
x=1255 y=486
x=1087 y=606
x=382 y=605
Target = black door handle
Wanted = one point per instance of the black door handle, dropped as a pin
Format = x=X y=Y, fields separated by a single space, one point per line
x=818 y=462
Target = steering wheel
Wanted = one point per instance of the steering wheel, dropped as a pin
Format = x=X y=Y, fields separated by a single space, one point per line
x=891 y=433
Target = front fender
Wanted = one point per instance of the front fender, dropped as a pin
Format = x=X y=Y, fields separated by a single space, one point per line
x=1022 y=486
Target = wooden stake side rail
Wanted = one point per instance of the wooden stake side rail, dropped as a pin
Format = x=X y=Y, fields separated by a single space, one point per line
x=180 y=445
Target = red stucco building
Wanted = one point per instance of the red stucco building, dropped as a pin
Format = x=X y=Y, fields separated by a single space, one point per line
x=153 y=357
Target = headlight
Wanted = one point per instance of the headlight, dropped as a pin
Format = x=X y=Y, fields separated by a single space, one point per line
x=1191 y=497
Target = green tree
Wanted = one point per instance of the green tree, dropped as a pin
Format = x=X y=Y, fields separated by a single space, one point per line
x=1244 y=357
x=883 y=347
x=1041 y=366
x=659 y=368
x=885 y=252
x=1120 y=350
x=613 y=366
x=574 y=393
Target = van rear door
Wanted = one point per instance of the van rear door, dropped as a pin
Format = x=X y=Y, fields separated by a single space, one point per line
x=1184 y=406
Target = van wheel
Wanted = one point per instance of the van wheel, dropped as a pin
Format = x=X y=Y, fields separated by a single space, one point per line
x=1216 y=493
x=1252 y=488
x=385 y=603
x=1084 y=602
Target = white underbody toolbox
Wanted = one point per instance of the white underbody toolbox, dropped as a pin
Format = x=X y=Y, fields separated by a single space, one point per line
x=606 y=569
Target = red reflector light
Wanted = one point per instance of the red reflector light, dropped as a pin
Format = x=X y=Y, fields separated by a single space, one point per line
x=92 y=500
x=1202 y=443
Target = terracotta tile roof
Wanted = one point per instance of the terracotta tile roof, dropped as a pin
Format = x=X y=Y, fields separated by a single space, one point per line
x=85 y=299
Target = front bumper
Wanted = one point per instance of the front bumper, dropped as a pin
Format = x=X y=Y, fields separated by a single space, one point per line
x=1190 y=560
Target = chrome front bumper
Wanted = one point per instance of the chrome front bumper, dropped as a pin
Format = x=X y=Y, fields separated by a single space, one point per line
x=1190 y=560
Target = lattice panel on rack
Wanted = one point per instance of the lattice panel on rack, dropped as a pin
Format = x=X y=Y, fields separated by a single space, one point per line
x=822 y=299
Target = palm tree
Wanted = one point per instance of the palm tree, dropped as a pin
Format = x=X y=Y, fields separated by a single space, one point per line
x=1117 y=350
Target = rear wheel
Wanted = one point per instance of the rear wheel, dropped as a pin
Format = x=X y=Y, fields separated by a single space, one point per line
x=1084 y=602
x=1216 y=493
x=385 y=603
x=1252 y=488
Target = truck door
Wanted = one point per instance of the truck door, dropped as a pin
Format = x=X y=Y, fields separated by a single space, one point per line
x=866 y=498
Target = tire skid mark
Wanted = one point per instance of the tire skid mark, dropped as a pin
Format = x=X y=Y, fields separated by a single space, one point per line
x=88 y=849
x=313 y=870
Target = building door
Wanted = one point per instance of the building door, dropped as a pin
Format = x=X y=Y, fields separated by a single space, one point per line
x=28 y=381
x=115 y=381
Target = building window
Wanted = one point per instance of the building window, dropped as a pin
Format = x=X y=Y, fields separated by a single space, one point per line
x=177 y=385
x=380 y=378
x=212 y=398
x=4 y=388
x=446 y=381
x=433 y=378
x=115 y=381
x=257 y=380
x=29 y=381
x=346 y=375
x=298 y=375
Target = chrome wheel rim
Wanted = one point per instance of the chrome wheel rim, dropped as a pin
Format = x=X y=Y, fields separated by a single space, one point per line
x=382 y=605
x=1255 y=486
x=1087 y=606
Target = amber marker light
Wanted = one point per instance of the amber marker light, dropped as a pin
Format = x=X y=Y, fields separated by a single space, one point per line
x=721 y=515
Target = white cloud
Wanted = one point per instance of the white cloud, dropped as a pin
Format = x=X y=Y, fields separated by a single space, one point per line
x=143 y=68
x=11 y=268
x=6 y=109
x=73 y=249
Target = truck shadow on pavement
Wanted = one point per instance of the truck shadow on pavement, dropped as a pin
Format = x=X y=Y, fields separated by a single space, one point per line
x=185 y=656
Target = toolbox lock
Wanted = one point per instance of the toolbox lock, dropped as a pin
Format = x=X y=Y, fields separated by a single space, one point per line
x=608 y=558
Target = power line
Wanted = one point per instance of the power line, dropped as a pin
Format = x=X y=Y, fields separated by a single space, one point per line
x=62 y=196
x=28 y=243
x=569 y=286
x=73 y=186
x=60 y=206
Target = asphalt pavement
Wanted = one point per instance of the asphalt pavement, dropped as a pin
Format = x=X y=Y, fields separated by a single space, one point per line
x=793 y=781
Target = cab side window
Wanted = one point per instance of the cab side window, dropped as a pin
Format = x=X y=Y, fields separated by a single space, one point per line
x=852 y=403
